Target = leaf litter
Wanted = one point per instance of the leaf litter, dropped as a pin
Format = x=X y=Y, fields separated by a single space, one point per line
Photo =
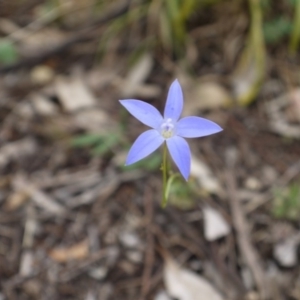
x=75 y=225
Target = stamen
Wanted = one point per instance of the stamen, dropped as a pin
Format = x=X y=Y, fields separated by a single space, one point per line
x=167 y=129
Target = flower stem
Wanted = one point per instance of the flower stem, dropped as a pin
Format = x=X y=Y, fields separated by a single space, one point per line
x=165 y=171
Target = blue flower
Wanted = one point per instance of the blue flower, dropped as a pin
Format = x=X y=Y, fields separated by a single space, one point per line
x=167 y=128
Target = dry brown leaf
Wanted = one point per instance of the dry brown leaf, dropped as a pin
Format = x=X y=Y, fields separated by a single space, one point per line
x=101 y=77
x=206 y=95
x=205 y=92
x=76 y=252
x=137 y=75
x=183 y=284
x=130 y=239
x=15 y=200
x=204 y=176
x=215 y=226
x=40 y=198
x=162 y=295
x=76 y=12
x=293 y=109
x=148 y=91
x=16 y=150
x=43 y=105
x=26 y=264
x=253 y=183
x=285 y=252
x=74 y=94
x=41 y=41
x=41 y=74
x=279 y=113
x=95 y=120
x=8 y=27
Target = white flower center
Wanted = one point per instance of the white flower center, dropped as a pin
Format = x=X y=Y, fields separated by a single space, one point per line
x=167 y=128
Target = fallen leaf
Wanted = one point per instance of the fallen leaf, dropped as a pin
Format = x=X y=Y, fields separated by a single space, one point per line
x=41 y=41
x=8 y=27
x=183 y=284
x=215 y=226
x=101 y=77
x=15 y=200
x=286 y=251
x=76 y=12
x=16 y=150
x=76 y=252
x=148 y=91
x=253 y=183
x=95 y=120
x=39 y=197
x=206 y=95
x=98 y=272
x=73 y=93
x=293 y=109
x=41 y=74
x=137 y=75
x=130 y=239
x=204 y=176
x=279 y=114
x=43 y=105
x=134 y=256
x=162 y=295
x=27 y=263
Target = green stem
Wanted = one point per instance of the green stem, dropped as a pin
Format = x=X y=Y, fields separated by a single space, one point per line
x=164 y=170
x=169 y=183
x=295 y=37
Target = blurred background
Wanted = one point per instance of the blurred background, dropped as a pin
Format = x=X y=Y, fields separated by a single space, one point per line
x=75 y=223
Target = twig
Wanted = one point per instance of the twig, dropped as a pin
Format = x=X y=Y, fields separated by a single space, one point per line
x=26 y=261
x=243 y=236
x=104 y=189
x=190 y=232
x=63 y=178
x=202 y=246
x=74 y=271
x=17 y=149
x=149 y=256
x=38 y=197
x=84 y=35
x=290 y=173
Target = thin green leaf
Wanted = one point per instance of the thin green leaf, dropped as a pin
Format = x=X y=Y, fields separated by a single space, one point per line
x=86 y=140
x=8 y=52
x=106 y=144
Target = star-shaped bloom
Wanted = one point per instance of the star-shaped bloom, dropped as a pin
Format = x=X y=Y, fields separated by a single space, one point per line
x=167 y=128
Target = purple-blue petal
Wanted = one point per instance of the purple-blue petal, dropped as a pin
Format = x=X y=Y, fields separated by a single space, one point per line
x=191 y=127
x=174 y=102
x=181 y=154
x=144 y=112
x=144 y=145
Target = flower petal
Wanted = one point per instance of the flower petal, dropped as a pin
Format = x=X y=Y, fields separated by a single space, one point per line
x=181 y=154
x=144 y=145
x=144 y=112
x=174 y=102
x=191 y=127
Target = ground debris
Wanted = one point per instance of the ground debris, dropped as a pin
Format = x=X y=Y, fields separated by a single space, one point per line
x=186 y=285
x=74 y=94
x=75 y=223
x=16 y=150
x=215 y=225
